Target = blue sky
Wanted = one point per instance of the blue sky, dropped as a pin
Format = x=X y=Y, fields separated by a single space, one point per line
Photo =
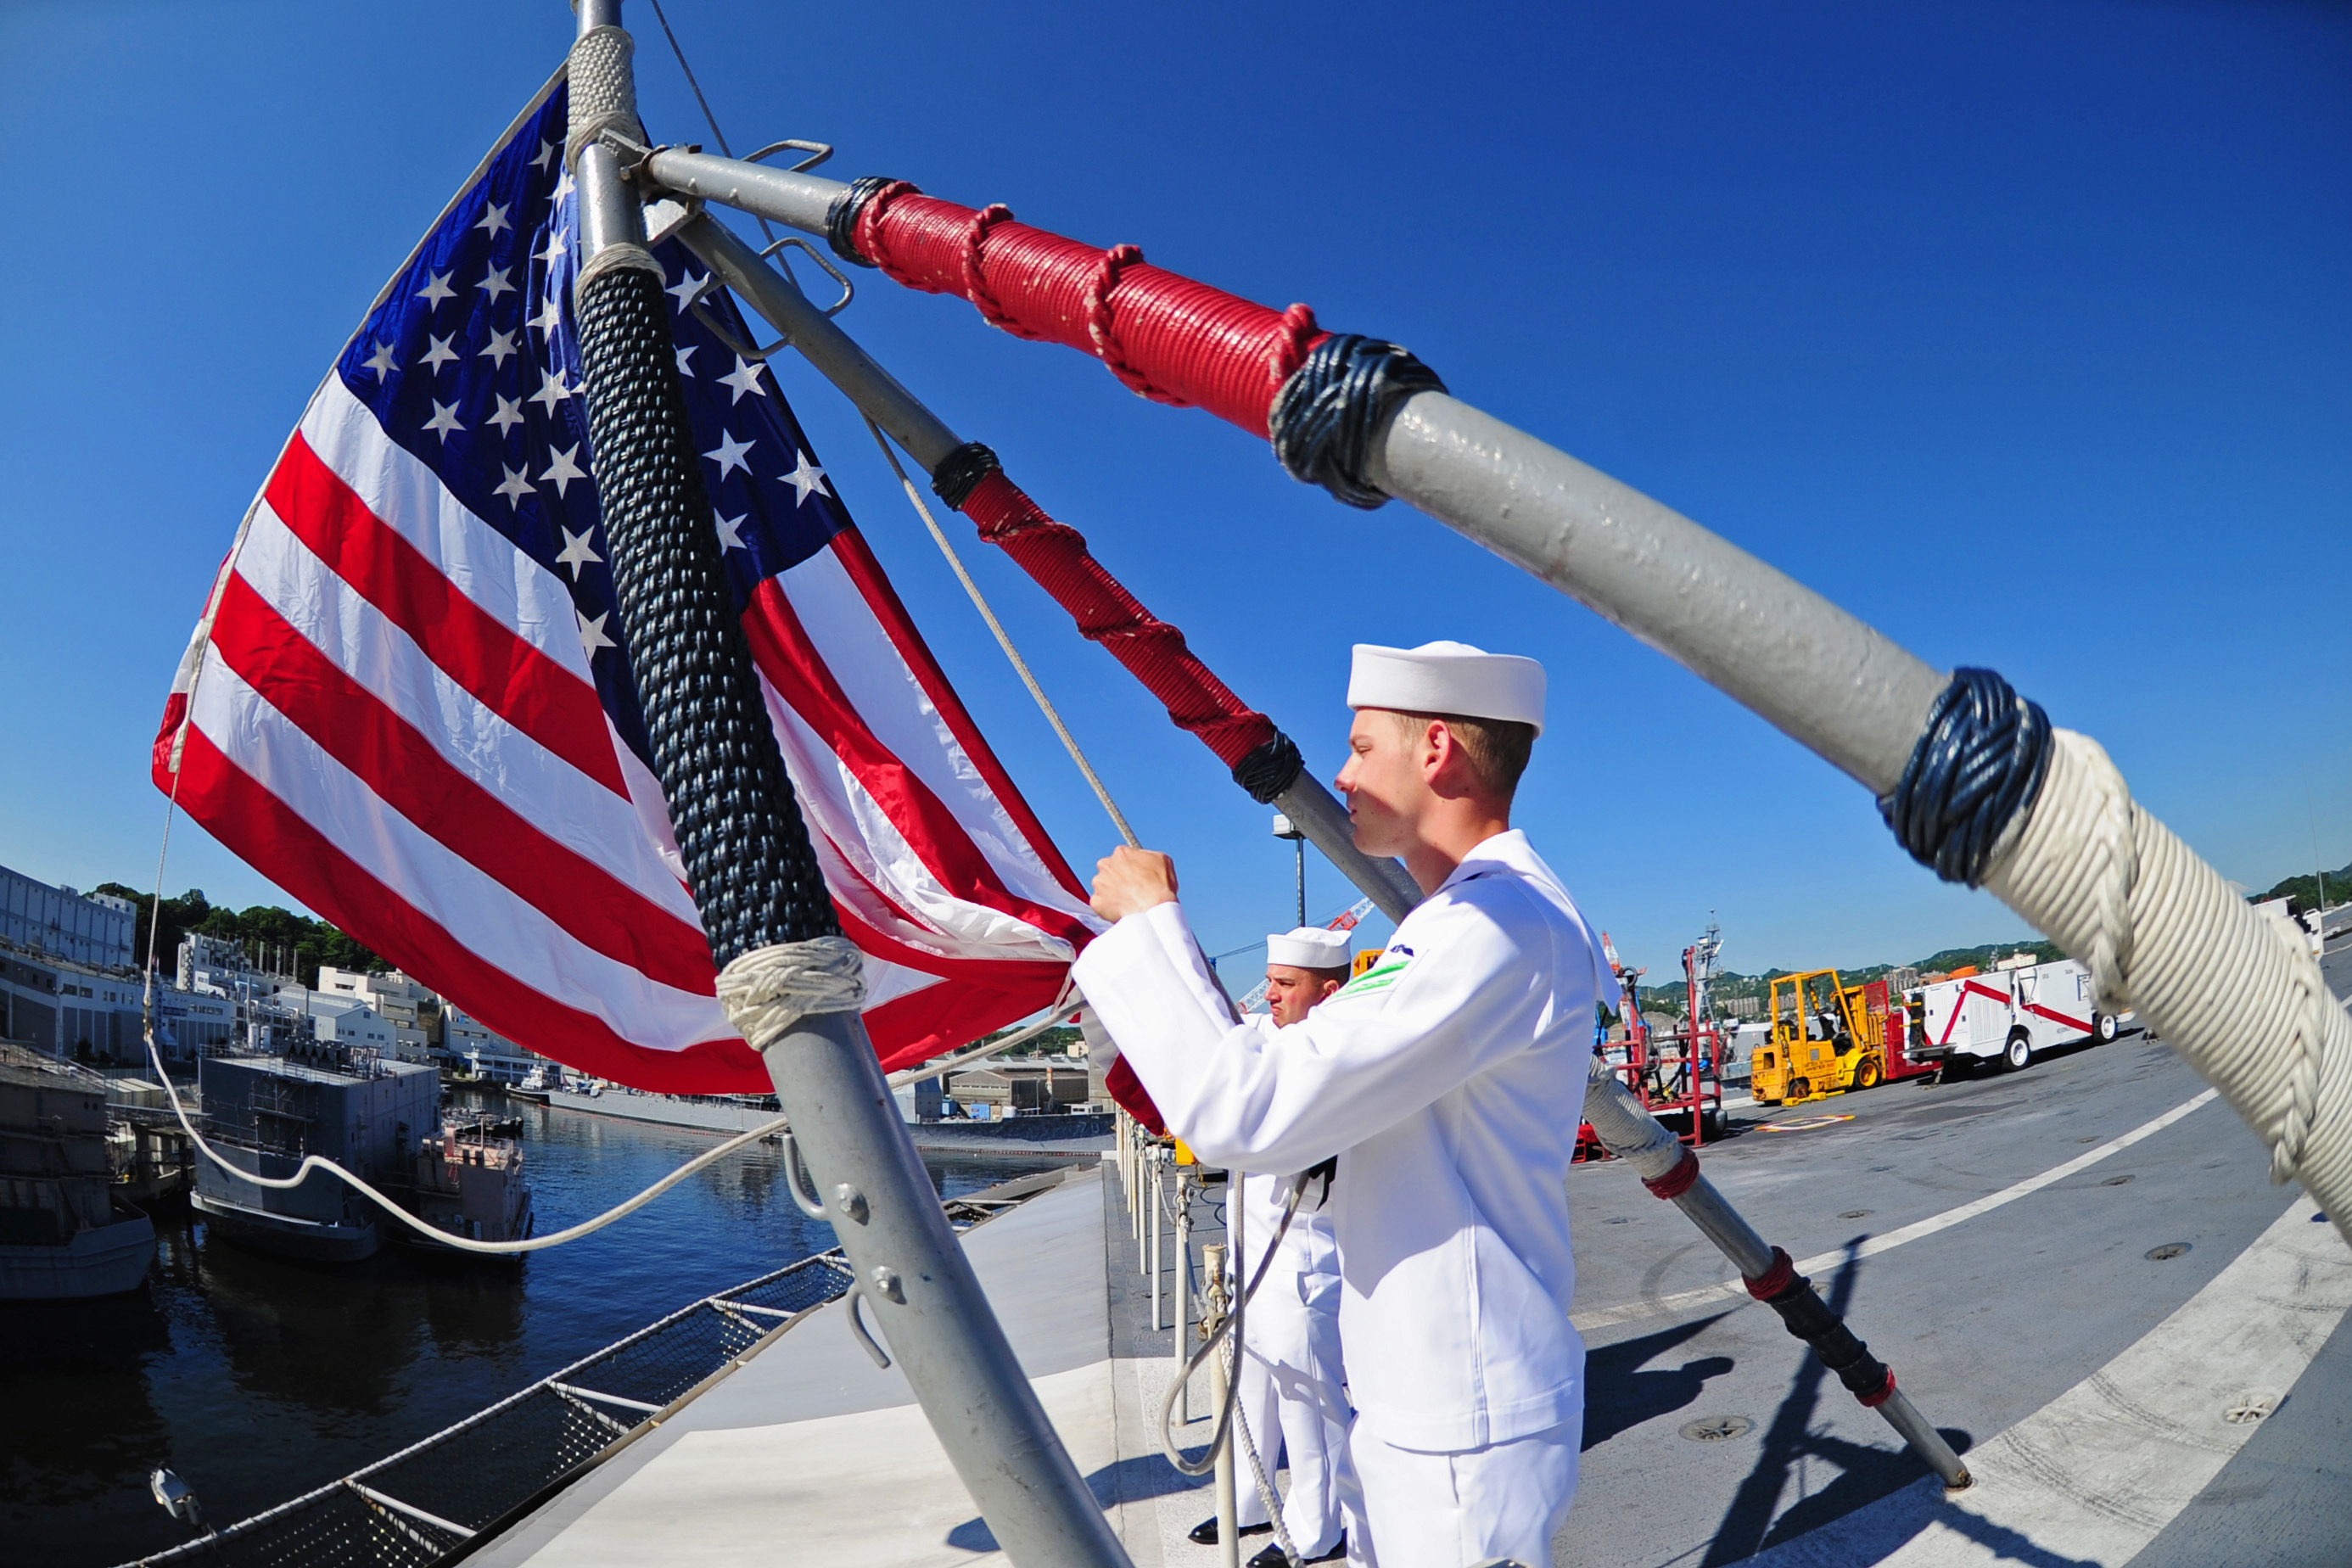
x=2022 y=329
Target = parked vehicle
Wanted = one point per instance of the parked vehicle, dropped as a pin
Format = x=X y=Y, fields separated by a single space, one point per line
x=2008 y=1017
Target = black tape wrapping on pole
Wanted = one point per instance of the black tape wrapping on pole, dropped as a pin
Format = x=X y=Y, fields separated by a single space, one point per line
x=1976 y=767
x=1334 y=406
x=740 y=833
x=1811 y=1320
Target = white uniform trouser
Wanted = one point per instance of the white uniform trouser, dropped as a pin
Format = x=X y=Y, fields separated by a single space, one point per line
x=1409 y=1510
x=1290 y=1395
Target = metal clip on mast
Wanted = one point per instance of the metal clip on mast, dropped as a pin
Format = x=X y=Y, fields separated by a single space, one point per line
x=748 y=858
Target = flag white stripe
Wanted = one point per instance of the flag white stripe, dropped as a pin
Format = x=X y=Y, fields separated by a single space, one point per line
x=874 y=675
x=409 y=498
x=839 y=807
x=575 y=811
x=479 y=913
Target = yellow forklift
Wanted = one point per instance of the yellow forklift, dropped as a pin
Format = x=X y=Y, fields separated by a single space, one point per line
x=1827 y=1037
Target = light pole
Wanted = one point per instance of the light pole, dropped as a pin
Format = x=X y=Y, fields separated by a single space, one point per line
x=1283 y=829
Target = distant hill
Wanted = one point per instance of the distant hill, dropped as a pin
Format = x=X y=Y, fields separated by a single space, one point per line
x=264 y=929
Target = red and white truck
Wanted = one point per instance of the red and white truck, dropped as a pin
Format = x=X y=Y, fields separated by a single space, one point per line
x=2006 y=1016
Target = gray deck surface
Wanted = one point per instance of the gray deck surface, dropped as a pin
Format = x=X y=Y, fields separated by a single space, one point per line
x=1996 y=1324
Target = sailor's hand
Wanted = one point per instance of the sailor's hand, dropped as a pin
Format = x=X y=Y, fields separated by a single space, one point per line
x=1129 y=881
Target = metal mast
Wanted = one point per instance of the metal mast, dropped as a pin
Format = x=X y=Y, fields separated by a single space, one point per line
x=756 y=882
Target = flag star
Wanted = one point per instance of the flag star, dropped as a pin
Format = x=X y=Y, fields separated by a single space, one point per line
x=509 y=416
x=514 y=487
x=807 y=477
x=591 y=632
x=445 y=420
x=555 y=248
x=683 y=355
x=730 y=456
x=547 y=320
x=546 y=149
x=683 y=290
x=438 y=289
x=551 y=388
x=564 y=469
x=730 y=531
x=563 y=183
x=501 y=345
x=380 y=361
x=575 y=553
x=494 y=220
x=440 y=354
x=495 y=283
x=743 y=378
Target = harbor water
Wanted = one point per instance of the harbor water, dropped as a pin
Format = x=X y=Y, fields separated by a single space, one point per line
x=257 y=1378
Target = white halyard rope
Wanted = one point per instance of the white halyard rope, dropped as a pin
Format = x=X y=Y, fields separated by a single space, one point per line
x=2160 y=931
x=1004 y=641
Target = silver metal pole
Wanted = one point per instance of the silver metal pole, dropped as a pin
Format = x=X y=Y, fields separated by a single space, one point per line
x=1159 y=1183
x=1819 y=673
x=1311 y=808
x=1183 y=1292
x=909 y=1270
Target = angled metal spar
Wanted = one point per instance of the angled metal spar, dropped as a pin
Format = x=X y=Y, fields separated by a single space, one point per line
x=1620 y=1120
x=789 y=981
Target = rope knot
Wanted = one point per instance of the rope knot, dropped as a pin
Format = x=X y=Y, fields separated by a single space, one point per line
x=1335 y=405
x=1976 y=768
x=769 y=990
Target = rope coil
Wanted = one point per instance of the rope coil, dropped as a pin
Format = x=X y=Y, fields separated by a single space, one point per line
x=769 y=990
x=1976 y=766
x=1328 y=414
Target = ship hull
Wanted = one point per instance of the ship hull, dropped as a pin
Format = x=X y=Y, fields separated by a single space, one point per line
x=288 y=1235
x=104 y=1260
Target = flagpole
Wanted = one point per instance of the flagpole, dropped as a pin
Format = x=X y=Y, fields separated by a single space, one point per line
x=789 y=981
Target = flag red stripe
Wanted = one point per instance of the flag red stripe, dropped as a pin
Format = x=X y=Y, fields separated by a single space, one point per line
x=781 y=648
x=264 y=830
x=856 y=558
x=940 y=1017
x=503 y=671
x=353 y=725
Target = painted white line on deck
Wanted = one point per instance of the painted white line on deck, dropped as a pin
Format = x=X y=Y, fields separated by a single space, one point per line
x=1733 y=1289
x=2098 y=1473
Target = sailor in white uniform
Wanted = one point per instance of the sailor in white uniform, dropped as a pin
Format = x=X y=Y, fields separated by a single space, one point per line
x=1448 y=1080
x=1291 y=1382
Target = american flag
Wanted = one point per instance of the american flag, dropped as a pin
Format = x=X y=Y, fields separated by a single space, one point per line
x=409 y=701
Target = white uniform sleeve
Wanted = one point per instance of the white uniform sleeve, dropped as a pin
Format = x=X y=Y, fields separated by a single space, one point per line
x=1389 y=1043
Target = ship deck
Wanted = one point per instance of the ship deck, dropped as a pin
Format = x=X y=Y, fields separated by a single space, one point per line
x=1991 y=1239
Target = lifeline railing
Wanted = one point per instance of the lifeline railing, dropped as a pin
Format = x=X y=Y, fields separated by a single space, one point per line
x=471 y=1480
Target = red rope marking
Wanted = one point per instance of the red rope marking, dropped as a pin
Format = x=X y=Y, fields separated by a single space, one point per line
x=1676 y=1181
x=1165 y=336
x=975 y=281
x=1055 y=556
x=1869 y=1401
x=1775 y=1279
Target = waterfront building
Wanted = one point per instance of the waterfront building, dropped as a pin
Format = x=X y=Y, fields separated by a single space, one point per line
x=410 y=1011
x=93 y=930
x=343 y=1020
x=465 y=1040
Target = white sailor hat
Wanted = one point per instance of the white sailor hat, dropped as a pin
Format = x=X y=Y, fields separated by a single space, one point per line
x=1308 y=947
x=1448 y=678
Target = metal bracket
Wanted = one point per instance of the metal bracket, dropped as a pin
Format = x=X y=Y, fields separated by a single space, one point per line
x=736 y=345
x=800 y=1183
x=865 y=1335
x=818 y=152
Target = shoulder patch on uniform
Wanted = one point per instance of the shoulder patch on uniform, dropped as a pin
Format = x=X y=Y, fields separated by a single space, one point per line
x=1380 y=976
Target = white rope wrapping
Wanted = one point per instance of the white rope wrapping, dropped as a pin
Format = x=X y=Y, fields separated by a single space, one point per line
x=2243 y=1003
x=769 y=989
x=1625 y=1128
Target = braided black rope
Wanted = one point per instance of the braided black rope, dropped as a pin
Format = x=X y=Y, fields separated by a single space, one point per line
x=841 y=215
x=739 y=828
x=1334 y=406
x=960 y=471
x=1978 y=763
x=1271 y=767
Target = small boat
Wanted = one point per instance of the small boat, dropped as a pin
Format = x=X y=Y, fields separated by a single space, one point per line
x=349 y=1238
x=534 y=1086
x=469 y=1182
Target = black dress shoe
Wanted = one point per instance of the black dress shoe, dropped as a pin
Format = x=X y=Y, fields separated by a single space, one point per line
x=1206 y=1532
x=1272 y=1557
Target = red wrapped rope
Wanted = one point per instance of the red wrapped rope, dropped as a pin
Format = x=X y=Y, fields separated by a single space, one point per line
x=1154 y=652
x=1166 y=336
